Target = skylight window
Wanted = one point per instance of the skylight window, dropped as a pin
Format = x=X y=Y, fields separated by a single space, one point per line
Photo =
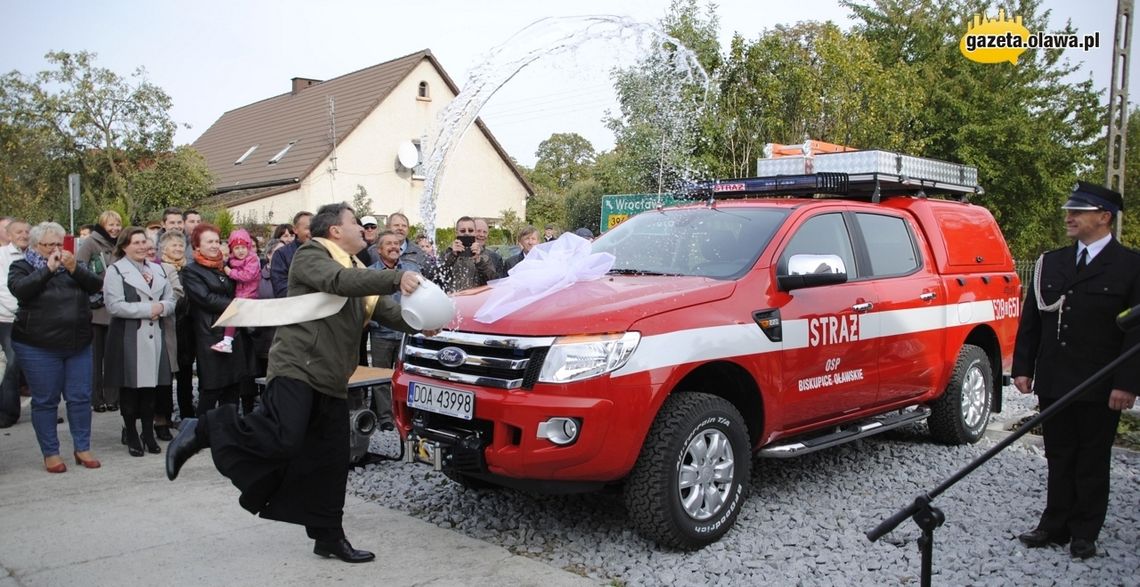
x=246 y=155
x=277 y=158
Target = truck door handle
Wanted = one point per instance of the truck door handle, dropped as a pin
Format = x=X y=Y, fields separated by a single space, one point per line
x=862 y=307
x=927 y=296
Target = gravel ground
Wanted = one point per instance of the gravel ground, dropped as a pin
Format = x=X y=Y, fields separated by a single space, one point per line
x=804 y=522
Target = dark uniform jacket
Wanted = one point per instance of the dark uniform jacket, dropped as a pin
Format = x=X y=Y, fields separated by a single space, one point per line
x=1063 y=348
x=323 y=353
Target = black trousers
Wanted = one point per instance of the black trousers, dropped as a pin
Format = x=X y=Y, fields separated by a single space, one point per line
x=164 y=402
x=289 y=457
x=185 y=376
x=209 y=399
x=1078 y=446
x=100 y=394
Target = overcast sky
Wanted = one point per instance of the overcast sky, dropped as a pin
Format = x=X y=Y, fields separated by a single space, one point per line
x=212 y=56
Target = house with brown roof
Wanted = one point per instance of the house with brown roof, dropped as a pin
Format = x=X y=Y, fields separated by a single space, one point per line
x=323 y=140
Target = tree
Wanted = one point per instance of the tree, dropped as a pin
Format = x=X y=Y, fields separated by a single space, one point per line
x=564 y=158
x=511 y=223
x=1027 y=130
x=179 y=178
x=662 y=100
x=1131 y=233
x=584 y=206
x=810 y=80
x=546 y=206
x=32 y=186
x=361 y=203
x=77 y=117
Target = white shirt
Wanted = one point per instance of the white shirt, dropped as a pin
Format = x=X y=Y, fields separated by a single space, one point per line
x=8 y=304
x=1094 y=248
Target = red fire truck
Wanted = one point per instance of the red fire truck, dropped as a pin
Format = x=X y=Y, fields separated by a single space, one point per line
x=771 y=317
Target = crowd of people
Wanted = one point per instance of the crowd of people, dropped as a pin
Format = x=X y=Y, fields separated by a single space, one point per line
x=132 y=310
x=119 y=319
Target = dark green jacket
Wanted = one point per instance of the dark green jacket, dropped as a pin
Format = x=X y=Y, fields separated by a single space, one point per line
x=323 y=353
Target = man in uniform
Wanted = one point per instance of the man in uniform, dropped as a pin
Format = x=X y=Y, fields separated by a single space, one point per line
x=1067 y=333
x=290 y=456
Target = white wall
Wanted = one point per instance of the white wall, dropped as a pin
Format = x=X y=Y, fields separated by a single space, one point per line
x=477 y=182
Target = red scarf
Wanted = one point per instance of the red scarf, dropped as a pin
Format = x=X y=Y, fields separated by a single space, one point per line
x=204 y=261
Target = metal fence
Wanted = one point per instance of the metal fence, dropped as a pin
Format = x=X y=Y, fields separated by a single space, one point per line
x=1024 y=269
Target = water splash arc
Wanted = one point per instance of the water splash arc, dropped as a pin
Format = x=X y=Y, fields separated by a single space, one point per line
x=544 y=38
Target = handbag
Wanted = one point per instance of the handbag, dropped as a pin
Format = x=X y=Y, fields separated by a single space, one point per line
x=98 y=267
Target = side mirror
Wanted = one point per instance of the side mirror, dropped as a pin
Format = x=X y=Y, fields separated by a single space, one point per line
x=812 y=271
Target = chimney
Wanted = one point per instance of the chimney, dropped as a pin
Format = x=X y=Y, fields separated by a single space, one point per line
x=300 y=83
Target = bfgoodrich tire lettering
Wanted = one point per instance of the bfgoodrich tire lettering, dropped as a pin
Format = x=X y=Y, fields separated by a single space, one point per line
x=960 y=416
x=697 y=441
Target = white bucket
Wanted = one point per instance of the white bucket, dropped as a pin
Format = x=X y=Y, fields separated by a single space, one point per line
x=428 y=308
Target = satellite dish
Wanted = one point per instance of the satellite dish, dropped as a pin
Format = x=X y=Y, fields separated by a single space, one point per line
x=408 y=154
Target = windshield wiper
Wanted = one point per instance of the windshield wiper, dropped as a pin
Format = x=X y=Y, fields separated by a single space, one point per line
x=636 y=272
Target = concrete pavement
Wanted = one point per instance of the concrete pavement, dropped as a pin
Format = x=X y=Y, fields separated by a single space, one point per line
x=125 y=523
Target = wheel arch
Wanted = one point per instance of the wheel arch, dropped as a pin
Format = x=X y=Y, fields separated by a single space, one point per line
x=985 y=338
x=733 y=383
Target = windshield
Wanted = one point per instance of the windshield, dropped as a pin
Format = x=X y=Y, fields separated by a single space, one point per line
x=705 y=242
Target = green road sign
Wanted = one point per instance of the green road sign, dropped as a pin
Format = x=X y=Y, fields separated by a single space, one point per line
x=618 y=208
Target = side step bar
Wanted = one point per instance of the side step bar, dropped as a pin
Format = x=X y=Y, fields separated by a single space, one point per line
x=863 y=429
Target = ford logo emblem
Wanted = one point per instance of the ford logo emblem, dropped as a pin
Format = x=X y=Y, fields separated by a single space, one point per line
x=451 y=356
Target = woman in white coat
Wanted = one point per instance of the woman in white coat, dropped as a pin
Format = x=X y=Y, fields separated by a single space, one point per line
x=138 y=295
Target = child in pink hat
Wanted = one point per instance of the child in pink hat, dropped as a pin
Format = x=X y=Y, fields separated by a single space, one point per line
x=245 y=269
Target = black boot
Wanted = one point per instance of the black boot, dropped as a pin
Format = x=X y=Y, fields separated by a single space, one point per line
x=185 y=445
x=146 y=412
x=134 y=446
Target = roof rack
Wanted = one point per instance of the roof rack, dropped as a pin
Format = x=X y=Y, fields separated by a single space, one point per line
x=853 y=174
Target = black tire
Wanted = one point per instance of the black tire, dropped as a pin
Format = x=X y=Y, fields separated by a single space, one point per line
x=653 y=495
x=960 y=416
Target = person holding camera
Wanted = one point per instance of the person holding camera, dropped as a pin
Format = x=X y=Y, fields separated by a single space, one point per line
x=52 y=337
x=466 y=264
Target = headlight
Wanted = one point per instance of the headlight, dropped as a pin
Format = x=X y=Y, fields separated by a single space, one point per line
x=573 y=358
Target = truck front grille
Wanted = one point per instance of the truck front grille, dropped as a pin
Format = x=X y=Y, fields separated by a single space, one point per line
x=506 y=362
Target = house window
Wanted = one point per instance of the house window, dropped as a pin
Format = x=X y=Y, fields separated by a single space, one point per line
x=246 y=155
x=424 y=92
x=277 y=158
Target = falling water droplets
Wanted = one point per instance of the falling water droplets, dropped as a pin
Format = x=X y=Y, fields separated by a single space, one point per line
x=542 y=39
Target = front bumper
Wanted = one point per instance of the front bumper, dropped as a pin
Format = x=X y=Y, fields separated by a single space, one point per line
x=502 y=439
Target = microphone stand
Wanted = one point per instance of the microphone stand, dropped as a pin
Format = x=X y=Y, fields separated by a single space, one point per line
x=929 y=517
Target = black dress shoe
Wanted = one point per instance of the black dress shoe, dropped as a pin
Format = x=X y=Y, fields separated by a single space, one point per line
x=114 y=407
x=1081 y=548
x=342 y=550
x=1038 y=538
x=163 y=433
x=184 y=446
x=99 y=408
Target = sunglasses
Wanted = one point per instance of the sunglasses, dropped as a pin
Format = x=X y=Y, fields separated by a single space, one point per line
x=370 y=227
